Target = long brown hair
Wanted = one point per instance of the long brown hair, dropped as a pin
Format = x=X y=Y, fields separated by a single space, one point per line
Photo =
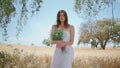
x=58 y=19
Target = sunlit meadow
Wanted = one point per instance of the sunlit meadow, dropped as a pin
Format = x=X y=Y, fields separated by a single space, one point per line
x=28 y=56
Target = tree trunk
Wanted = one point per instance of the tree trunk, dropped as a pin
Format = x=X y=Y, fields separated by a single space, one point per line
x=103 y=47
x=103 y=44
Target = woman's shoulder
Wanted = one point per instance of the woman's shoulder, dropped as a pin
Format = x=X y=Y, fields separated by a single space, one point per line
x=71 y=27
x=54 y=26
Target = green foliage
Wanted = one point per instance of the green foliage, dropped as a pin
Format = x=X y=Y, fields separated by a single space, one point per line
x=21 y=10
x=91 y=7
x=116 y=33
x=18 y=60
x=6 y=8
x=105 y=30
x=7 y=60
x=47 y=42
x=94 y=43
x=57 y=34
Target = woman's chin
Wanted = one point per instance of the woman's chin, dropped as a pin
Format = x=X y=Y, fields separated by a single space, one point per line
x=62 y=20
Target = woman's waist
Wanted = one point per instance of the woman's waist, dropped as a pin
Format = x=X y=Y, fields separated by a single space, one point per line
x=66 y=40
x=69 y=47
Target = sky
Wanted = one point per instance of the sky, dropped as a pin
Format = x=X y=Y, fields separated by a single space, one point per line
x=38 y=27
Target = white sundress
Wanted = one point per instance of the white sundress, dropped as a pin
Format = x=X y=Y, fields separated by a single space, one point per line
x=63 y=59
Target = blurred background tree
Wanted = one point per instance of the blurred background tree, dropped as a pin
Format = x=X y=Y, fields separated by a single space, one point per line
x=101 y=31
x=47 y=42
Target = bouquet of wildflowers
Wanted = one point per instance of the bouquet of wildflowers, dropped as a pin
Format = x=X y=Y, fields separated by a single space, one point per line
x=57 y=34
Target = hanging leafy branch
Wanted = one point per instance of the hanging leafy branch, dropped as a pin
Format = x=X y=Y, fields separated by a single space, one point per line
x=90 y=8
x=21 y=10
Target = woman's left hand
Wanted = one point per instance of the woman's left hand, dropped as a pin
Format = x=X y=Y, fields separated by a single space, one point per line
x=61 y=44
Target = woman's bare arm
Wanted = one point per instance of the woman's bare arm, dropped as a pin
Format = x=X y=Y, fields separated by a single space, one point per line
x=72 y=32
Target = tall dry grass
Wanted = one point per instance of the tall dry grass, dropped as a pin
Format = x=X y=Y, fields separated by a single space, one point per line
x=24 y=61
x=14 y=56
x=96 y=62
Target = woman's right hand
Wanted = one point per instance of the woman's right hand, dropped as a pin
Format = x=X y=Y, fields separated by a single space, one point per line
x=58 y=43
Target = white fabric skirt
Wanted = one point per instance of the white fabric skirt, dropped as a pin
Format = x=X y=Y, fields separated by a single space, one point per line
x=62 y=59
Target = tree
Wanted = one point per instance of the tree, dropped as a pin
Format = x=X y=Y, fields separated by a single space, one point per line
x=94 y=43
x=47 y=42
x=104 y=32
x=116 y=34
x=21 y=10
x=101 y=31
x=32 y=44
x=84 y=33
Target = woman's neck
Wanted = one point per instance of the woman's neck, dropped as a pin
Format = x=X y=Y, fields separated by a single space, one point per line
x=62 y=24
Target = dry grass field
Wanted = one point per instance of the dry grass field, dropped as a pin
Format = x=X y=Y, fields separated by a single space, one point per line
x=27 y=56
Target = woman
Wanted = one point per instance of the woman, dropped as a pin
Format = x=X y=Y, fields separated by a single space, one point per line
x=63 y=59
